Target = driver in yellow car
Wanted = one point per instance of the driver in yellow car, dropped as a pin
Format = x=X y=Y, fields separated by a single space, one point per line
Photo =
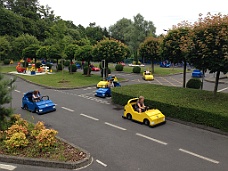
x=140 y=104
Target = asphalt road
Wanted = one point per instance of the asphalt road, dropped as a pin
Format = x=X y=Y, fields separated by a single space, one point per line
x=118 y=144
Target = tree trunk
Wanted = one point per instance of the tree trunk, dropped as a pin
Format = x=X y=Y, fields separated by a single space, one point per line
x=216 y=82
x=152 y=66
x=88 y=73
x=106 y=69
x=71 y=66
x=184 y=74
x=202 y=79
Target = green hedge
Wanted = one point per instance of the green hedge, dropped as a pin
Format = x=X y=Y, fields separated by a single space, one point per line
x=191 y=105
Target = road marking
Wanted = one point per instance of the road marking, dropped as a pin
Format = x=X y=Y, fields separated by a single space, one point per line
x=176 y=80
x=7 y=167
x=90 y=117
x=67 y=109
x=222 y=89
x=152 y=139
x=88 y=88
x=158 y=81
x=17 y=91
x=199 y=156
x=168 y=81
x=101 y=163
x=115 y=126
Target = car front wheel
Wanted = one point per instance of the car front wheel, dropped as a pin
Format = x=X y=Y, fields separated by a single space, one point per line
x=146 y=122
x=26 y=107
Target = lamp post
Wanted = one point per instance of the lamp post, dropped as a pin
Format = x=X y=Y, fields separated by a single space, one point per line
x=11 y=87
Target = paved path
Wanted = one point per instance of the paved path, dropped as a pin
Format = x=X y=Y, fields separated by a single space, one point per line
x=119 y=144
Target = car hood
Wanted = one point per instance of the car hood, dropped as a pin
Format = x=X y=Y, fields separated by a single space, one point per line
x=45 y=103
x=153 y=112
x=102 y=90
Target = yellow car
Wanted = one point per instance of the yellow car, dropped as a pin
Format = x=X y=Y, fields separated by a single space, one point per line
x=104 y=84
x=150 y=117
x=147 y=75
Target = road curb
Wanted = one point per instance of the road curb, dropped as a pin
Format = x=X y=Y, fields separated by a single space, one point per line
x=47 y=163
x=213 y=81
x=56 y=88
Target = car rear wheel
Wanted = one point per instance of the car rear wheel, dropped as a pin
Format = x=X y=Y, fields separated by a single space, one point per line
x=129 y=117
x=26 y=107
x=146 y=122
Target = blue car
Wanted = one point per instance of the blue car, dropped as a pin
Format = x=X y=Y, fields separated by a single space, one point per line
x=197 y=73
x=106 y=92
x=78 y=65
x=45 y=105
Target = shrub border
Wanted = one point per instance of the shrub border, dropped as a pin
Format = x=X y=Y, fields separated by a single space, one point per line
x=49 y=163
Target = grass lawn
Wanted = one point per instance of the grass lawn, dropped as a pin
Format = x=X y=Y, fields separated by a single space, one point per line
x=158 y=70
x=59 y=79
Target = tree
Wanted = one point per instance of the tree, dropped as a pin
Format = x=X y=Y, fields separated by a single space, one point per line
x=118 y=30
x=70 y=52
x=11 y=24
x=30 y=52
x=22 y=42
x=135 y=32
x=53 y=53
x=94 y=33
x=5 y=48
x=210 y=44
x=150 y=49
x=5 y=99
x=41 y=53
x=110 y=50
x=177 y=46
x=85 y=53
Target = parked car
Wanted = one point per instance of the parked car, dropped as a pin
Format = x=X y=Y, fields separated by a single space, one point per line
x=165 y=64
x=147 y=76
x=45 y=105
x=197 y=73
x=150 y=117
x=93 y=68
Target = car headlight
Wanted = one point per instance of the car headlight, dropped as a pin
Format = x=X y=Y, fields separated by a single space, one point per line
x=163 y=119
x=53 y=107
x=152 y=123
x=40 y=110
x=103 y=94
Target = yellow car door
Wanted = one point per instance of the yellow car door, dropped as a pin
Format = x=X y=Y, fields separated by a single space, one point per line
x=138 y=116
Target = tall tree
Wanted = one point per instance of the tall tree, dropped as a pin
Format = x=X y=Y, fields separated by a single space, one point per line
x=150 y=49
x=5 y=48
x=22 y=42
x=177 y=46
x=5 y=99
x=211 y=44
x=110 y=50
x=30 y=52
x=70 y=51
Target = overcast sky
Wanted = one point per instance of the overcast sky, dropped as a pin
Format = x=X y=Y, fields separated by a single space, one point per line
x=163 y=13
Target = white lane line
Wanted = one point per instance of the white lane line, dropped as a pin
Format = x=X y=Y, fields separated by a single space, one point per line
x=101 y=163
x=17 y=91
x=152 y=139
x=115 y=126
x=158 y=81
x=90 y=117
x=67 y=109
x=7 y=167
x=222 y=89
x=199 y=156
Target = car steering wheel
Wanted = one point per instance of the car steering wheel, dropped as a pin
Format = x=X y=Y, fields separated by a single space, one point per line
x=44 y=97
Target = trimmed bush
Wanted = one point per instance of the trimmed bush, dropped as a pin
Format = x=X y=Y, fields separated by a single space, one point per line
x=67 y=63
x=6 y=61
x=136 y=69
x=38 y=64
x=119 y=67
x=85 y=70
x=73 y=68
x=194 y=83
x=196 y=106
x=59 y=67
